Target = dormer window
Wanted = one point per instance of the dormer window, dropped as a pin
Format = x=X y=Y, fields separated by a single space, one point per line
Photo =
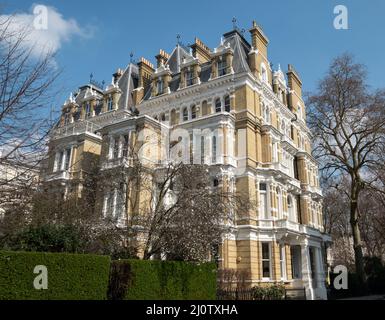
x=218 y=105
x=160 y=86
x=66 y=119
x=222 y=67
x=227 y=104
x=189 y=78
x=110 y=104
x=88 y=110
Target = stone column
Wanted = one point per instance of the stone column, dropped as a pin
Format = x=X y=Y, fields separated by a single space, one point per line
x=320 y=275
x=306 y=271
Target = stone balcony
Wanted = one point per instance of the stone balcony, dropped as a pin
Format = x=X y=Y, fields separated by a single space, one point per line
x=125 y=162
x=291 y=226
x=59 y=175
x=75 y=128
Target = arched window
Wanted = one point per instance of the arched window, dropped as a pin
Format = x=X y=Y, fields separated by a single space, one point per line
x=214 y=149
x=227 y=104
x=193 y=112
x=205 y=108
x=185 y=114
x=218 y=105
x=173 y=117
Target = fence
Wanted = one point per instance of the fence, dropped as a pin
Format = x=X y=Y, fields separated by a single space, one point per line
x=248 y=294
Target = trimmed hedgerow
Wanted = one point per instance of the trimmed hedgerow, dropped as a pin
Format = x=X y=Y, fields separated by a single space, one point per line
x=70 y=276
x=162 y=280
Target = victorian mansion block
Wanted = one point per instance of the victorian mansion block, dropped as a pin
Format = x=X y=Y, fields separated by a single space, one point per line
x=248 y=122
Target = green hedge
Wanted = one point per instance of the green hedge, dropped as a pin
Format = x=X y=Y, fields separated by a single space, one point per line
x=70 y=276
x=162 y=280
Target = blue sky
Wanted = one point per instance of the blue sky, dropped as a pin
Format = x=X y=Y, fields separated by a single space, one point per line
x=301 y=32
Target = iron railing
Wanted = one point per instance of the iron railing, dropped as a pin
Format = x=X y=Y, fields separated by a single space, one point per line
x=248 y=294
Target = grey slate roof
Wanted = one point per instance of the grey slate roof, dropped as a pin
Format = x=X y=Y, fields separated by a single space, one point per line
x=128 y=82
x=237 y=42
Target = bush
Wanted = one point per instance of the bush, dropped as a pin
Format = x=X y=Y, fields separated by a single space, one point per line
x=46 y=238
x=162 y=280
x=70 y=276
x=375 y=271
x=272 y=292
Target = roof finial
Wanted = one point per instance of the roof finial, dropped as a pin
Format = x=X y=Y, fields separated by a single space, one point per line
x=234 y=21
x=91 y=77
x=131 y=57
x=178 y=39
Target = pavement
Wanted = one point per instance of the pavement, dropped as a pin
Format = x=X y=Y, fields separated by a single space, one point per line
x=377 y=297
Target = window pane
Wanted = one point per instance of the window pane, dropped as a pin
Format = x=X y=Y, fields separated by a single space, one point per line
x=265 y=251
x=266 y=269
x=227 y=104
x=218 y=105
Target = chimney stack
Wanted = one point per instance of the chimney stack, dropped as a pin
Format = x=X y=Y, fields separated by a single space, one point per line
x=201 y=51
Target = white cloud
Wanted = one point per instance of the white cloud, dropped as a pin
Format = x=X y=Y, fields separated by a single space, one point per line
x=47 y=28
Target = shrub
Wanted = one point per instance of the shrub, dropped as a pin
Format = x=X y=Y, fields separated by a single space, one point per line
x=375 y=271
x=162 y=280
x=70 y=276
x=272 y=292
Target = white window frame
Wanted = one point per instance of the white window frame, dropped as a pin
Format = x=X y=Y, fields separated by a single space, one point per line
x=214 y=149
x=110 y=104
x=264 y=75
x=218 y=109
x=264 y=209
x=189 y=78
x=264 y=260
x=282 y=261
x=222 y=66
x=88 y=110
x=160 y=86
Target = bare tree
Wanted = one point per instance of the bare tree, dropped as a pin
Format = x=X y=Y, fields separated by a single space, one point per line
x=173 y=210
x=348 y=123
x=26 y=90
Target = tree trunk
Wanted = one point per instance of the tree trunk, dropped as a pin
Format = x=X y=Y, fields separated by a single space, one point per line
x=357 y=244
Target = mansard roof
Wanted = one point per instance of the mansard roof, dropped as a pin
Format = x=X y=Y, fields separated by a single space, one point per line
x=176 y=58
x=237 y=43
x=128 y=82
